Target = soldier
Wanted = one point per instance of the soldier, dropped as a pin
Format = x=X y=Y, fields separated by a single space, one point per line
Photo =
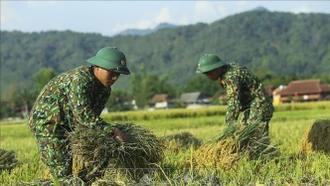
x=75 y=97
x=244 y=90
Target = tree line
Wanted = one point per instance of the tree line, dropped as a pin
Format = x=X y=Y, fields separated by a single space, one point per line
x=278 y=47
x=144 y=87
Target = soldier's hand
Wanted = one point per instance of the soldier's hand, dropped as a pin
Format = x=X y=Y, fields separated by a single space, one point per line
x=119 y=135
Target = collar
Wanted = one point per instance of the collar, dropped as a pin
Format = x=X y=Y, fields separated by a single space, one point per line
x=223 y=74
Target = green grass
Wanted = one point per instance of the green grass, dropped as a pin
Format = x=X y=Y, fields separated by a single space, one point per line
x=286 y=130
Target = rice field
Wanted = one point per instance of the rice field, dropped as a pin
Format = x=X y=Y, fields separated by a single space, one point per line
x=287 y=128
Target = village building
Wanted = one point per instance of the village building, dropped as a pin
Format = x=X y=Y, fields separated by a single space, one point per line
x=161 y=101
x=305 y=90
x=195 y=99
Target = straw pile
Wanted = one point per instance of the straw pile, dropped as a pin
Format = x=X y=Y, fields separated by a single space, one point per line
x=8 y=160
x=236 y=140
x=317 y=137
x=94 y=151
x=180 y=141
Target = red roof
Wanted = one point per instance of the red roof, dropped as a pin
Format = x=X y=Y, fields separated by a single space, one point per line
x=299 y=87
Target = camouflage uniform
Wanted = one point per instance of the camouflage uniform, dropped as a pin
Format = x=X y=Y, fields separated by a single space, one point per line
x=72 y=98
x=245 y=94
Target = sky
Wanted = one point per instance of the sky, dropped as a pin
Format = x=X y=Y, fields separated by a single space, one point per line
x=111 y=17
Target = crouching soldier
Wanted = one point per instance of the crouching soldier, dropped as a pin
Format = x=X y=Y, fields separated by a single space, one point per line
x=75 y=97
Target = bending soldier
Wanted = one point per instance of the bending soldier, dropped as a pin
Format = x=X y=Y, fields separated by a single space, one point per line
x=244 y=91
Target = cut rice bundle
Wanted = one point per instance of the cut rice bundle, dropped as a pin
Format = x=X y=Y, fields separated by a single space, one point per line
x=181 y=141
x=94 y=151
x=237 y=140
x=216 y=155
x=317 y=137
x=8 y=160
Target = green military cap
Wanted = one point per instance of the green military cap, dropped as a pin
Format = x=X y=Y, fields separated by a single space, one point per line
x=110 y=58
x=209 y=62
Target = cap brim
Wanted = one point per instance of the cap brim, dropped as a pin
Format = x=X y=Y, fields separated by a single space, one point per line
x=92 y=60
x=202 y=70
x=98 y=62
x=124 y=71
x=198 y=71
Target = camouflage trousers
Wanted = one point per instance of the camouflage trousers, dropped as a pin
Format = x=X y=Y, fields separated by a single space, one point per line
x=56 y=154
x=261 y=113
x=58 y=157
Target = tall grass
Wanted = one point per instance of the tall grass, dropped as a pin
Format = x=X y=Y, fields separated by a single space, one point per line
x=286 y=129
x=201 y=112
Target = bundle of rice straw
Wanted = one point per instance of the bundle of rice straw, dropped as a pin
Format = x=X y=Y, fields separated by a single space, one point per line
x=94 y=151
x=317 y=137
x=236 y=140
x=8 y=160
x=216 y=155
x=180 y=141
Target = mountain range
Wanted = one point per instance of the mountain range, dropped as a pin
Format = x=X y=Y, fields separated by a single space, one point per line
x=143 y=32
x=278 y=43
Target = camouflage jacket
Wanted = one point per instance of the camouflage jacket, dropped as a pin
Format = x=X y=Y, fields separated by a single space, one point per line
x=243 y=88
x=71 y=98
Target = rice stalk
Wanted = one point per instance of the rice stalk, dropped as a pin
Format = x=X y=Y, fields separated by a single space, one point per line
x=100 y=151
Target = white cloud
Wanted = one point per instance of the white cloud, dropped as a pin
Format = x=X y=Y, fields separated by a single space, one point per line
x=208 y=11
x=142 y=24
x=204 y=9
x=241 y=6
x=7 y=14
x=301 y=9
x=241 y=3
x=163 y=16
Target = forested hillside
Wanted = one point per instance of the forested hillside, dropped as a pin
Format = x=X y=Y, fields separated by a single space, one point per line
x=272 y=42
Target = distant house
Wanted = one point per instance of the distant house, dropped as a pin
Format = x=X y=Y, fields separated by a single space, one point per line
x=161 y=101
x=194 y=99
x=305 y=90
